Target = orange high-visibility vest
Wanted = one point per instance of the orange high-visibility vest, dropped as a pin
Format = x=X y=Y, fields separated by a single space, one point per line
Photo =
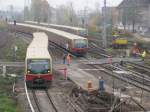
x=69 y=59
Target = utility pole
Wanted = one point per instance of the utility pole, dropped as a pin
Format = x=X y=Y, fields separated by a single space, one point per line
x=85 y=13
x=104 y=26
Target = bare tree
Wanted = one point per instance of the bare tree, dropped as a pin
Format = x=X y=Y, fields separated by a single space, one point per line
x=11 y=8
x=45 y=11
x=62 y=15
x=26 y=13
x=35 y=10
x=40 y=10
x=95 y=18
x=65 y=14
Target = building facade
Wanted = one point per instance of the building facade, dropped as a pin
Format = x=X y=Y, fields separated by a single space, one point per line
x=135 y=14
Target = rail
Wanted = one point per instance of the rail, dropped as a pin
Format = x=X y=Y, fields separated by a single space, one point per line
x=28 y=98
x=50 y=99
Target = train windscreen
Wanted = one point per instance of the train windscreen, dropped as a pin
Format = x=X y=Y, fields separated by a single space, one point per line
x=80 y=43
x=36 y=66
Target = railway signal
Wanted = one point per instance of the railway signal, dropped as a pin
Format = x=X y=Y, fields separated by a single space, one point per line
x=14 y=22
x=15 y=50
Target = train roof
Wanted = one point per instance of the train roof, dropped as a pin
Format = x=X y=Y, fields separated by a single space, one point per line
x=69 y=27
x=38 y=48
x=58 y=32
x=41 y=38
x=37 y=53
x=61 y=26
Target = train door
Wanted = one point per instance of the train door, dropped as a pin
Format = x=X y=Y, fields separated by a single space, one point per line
x=77 y=32
x=72 y=44
x=68 y=44
x=25 y=66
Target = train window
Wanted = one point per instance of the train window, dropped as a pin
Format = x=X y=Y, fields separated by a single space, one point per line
x=80 y=43
x=38 y=66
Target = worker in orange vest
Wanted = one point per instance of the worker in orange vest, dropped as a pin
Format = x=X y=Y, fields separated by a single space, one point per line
x=68 y=59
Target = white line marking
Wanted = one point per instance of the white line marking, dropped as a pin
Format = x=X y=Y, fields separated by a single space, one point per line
x=30 y=104
x=14 y=87
x=92 y=69
x=122 y=72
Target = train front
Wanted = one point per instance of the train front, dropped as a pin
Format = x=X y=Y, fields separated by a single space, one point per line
x=83 y=32
x=38 y=72
x=80 y=47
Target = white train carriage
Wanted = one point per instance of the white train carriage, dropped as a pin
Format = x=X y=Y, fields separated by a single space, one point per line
x=76 y=44
x=75 y=30
x=38 y=62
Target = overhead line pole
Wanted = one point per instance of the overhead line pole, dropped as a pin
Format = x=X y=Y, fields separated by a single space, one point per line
x=104 y=26
x=23 y=11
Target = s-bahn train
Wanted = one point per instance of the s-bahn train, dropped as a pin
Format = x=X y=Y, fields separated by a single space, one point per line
x=38 y=62
x=74 y=30
x=77 y=45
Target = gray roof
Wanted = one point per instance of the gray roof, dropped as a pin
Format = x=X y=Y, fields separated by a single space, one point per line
x=57 y=32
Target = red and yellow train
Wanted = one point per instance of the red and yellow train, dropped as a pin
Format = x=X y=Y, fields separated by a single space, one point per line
x=77 y=45
x=38 y=62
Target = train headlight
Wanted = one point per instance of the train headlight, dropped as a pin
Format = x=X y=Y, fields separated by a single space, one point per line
x=28 y=71
x=48 y=71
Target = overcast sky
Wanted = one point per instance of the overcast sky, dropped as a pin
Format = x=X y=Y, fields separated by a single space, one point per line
x=78 y=4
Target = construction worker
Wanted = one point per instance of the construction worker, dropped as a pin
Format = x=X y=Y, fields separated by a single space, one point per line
x=68 y=59
x=143 y=55
x=64 y=58
x=110 y=60
x=121 y=60
x=134 y=53
x=101 y=84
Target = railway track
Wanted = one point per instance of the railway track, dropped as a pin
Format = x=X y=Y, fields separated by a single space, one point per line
x=36 y=101
x=94 y=49
x=136 y=77
x=98 y=52
x=40 y=101
x=51 y=101
x=55 y=51
x=145 y=70
x=130 y=77
x=38 y=104
x=42 y=104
